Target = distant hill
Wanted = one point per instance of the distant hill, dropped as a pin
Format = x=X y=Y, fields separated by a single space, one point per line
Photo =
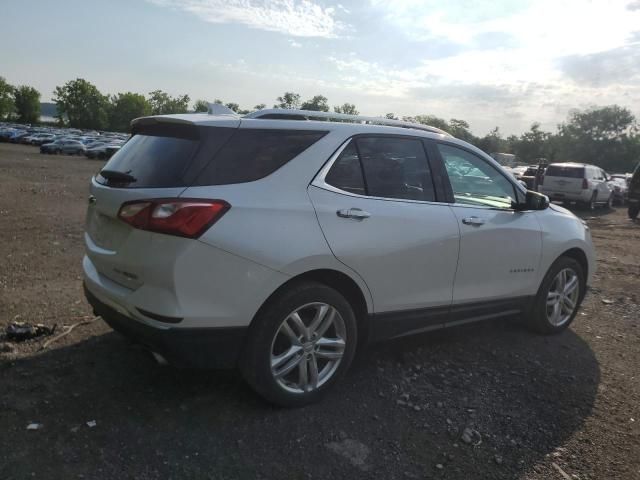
x=48 y=109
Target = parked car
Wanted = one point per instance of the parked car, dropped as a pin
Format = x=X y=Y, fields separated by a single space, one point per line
x=38 y=138
x=281 y=246
x=96 y=150
x=577 y=182
x=633 y=194
x=529 y=177
x=103 y=151
x=519 y=170
x=17 y=135
x=67 y=147
x=620 y=185
x=111 y=150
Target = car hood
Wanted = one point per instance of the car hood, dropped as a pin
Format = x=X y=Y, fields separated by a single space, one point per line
x=562 y=210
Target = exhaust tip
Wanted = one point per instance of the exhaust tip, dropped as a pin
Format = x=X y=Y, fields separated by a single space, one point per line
x=159 y=358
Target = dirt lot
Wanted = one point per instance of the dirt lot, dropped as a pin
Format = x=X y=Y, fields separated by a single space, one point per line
x=539 y=407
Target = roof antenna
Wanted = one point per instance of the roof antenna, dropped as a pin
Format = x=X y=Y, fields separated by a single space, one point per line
x=219 y=109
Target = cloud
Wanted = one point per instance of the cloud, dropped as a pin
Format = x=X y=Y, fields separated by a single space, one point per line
x=548 y=26
x=294 y=44
x=301 y=18
x=616 y=66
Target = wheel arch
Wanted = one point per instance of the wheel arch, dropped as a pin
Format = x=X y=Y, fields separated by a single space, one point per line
x=580 y=256
x=337 y=280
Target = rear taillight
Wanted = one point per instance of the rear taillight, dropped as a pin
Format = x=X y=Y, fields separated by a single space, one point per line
x=585 y=184
x=184 y=217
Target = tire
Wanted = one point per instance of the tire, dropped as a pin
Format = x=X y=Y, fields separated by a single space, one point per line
x=541 y=316
x=633 y=211
x=268 y=340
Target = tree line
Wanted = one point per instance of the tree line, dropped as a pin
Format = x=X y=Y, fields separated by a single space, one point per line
x=607 y=136
x=20 y=103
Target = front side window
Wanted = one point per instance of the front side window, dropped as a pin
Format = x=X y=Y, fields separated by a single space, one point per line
x=474 y=181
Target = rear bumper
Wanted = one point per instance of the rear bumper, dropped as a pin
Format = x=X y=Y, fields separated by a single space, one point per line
x=181 y=347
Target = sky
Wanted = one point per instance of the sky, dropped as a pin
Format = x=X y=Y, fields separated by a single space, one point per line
x=492 y=63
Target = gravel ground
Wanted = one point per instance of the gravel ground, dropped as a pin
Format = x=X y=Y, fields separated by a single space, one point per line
x=486 y=401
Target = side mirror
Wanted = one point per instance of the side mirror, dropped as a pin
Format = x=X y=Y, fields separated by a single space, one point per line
x=533 y=201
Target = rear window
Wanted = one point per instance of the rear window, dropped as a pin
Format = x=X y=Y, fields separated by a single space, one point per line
x=252 y=154
x=568 y=172
x=153 y=161
x=164 y=155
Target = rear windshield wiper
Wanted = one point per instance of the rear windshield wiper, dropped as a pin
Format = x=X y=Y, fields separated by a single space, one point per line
x=117 y=176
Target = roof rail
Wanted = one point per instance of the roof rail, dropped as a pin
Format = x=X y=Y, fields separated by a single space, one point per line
x=289 y=114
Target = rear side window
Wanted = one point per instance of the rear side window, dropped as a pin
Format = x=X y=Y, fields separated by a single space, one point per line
x=393 y=167
x=396 y=168
x=346 y=172
x=567 y=172
x=251 y=154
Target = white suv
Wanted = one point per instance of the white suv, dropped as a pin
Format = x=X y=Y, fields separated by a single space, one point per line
x=280 y=244
x=577 y=182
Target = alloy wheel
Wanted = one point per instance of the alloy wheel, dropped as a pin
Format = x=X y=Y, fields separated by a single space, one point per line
x=308 y=347
x=562 y=298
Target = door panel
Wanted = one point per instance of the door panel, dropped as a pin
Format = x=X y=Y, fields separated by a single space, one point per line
x=500 y=248
x=406 y=252
x=499 y=254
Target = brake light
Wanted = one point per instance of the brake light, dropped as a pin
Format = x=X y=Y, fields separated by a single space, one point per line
x=585 y=184
x=183 y=217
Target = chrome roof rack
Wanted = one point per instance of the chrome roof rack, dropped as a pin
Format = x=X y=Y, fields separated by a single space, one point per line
x=289 y=114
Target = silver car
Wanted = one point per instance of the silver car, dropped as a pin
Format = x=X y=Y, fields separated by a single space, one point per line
x=279 y=244
x=64 y=146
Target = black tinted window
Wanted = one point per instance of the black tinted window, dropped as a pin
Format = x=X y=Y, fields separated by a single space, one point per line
x=396 y=168
x=153 y=161
x=346 y=172
x=567 y=172
x=252 y=154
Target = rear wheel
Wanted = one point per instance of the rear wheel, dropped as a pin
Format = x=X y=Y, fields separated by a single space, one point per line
x=300 y=344
x=558 y=299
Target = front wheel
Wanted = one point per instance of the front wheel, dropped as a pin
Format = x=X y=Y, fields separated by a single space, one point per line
x=559 y=297
x=633 y=211
x=300 y=344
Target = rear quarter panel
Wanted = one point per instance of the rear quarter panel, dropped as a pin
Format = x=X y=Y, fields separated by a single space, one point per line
x=272 y=221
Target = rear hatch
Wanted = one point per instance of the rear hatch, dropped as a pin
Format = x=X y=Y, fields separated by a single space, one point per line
x=564 y=178
x=161 y=159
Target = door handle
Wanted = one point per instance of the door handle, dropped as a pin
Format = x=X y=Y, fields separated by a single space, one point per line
x=354 y=213
x=475 y=221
